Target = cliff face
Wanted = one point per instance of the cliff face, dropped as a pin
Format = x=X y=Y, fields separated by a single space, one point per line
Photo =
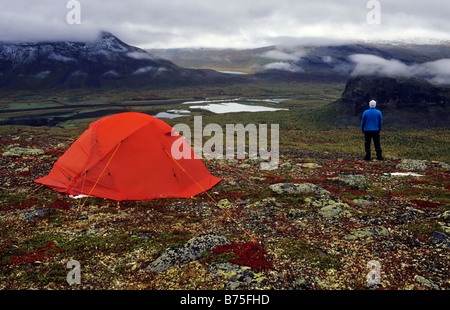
x=404 y=102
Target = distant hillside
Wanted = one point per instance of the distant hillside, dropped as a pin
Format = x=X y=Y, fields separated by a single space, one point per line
x=105 y=62
x=405 y=102
x=313 y=62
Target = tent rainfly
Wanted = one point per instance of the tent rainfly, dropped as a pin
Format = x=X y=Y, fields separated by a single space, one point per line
x=127 y=156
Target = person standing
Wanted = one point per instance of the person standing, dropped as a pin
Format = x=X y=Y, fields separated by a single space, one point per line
x=371 y=125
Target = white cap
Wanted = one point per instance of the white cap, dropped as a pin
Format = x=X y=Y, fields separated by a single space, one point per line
x=372 y=104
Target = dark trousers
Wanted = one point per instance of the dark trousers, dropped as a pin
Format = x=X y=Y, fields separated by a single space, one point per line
x=375 y=136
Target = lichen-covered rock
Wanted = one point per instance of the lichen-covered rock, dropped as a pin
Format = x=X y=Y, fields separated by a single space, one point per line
x=21 y=151
x=330 y=207
x=224 y=204
x=188 y=252
x=286 y=165
x=412 y=164
x=264 y=203
x=443 y=165
x=307 y=166
x=293 y=188
x=333 y=212
x=357 y=182
x=425 y=282
x=238 y=276
x=446 y=216
x=318 y=202
x=375 y=231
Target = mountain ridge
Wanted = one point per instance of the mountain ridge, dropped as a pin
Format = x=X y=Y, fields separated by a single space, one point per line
x=331 y=62
x=105 y=62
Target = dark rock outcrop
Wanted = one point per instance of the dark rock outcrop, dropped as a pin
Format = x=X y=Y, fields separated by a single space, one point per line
x=404 y=102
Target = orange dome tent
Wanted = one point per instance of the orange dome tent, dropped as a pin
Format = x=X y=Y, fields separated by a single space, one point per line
x=128 y=157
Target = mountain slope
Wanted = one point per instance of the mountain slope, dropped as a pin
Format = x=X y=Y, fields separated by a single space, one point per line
x=105 y=62
x=311 y=62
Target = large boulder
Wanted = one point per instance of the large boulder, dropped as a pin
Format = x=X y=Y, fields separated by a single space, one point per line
x=188 y=252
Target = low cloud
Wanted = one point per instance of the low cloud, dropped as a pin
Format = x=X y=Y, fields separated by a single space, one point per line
x=437 y=71
x=285 y=55
x=141 y=55
x=374 y=65
x=284 y=66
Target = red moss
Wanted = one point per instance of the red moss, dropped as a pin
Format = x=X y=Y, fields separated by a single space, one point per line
x=274 y=177
x=40 y=254
x=249 y=254
x=60 y=204
x=25 y=173
x=354 y=192
x=425 y=204
x=55 y=152
x=419 y=182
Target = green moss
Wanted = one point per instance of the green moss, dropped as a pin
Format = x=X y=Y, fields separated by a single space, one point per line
x=300 y=250
x=424 y=228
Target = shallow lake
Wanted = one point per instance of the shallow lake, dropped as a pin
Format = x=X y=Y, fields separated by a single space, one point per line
x=70 y=115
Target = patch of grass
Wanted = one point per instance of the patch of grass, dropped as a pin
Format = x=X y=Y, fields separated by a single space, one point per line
x=45 y=275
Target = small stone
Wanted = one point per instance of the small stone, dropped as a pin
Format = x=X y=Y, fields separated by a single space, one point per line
x=440 y=240
x=38 y=214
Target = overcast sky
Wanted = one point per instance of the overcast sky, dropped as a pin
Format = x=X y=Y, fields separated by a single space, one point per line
x=225 y=23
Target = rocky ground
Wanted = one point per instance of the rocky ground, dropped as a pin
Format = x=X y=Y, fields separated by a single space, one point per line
x=324 y=221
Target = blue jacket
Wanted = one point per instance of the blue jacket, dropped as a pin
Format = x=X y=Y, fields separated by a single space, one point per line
x=372 y=120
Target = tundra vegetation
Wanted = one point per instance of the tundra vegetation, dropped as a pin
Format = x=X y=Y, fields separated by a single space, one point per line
x=319 y=218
